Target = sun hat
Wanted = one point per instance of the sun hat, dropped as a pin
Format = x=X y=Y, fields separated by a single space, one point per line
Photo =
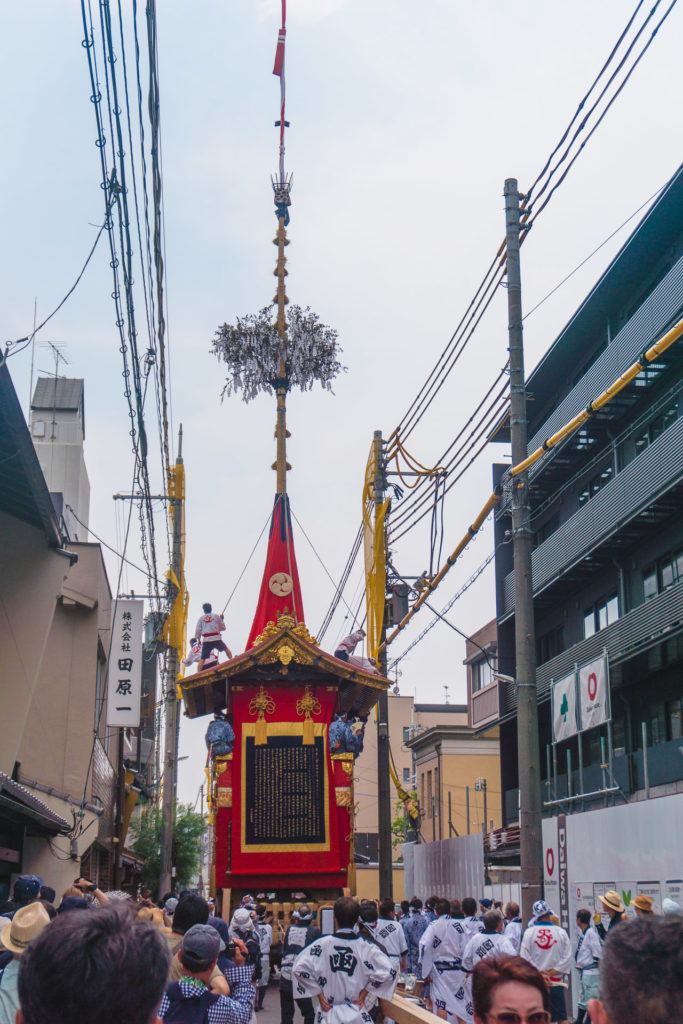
x=670 y=906
x=26 y=925
x=613 y=900
x=540 y=909
x=643 y=903
x=200 y=946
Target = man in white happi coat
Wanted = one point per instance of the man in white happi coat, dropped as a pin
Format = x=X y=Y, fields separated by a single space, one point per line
x=441 y=950
x=472 y=923
x=513 y=925
x=546 y=945
x=343 y=970
x=389 y=934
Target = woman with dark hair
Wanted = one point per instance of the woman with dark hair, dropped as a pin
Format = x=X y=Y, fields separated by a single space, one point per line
x=509 y=990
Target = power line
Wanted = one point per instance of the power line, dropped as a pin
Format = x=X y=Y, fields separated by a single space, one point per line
x=313 y=549
x=109 y=546
x=598 y=248
x=29 y=337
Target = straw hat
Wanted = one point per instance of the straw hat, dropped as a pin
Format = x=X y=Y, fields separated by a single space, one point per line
x=613 y=901
x=644 y=903
x=25 y=926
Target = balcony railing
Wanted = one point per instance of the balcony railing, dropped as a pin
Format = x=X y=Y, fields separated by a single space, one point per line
x=645 y=479
x=656 y=620
x=650 y=319
x=485 y=706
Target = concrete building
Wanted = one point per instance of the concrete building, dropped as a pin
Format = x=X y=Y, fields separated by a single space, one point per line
x=458 y=781
x=58 y=430
x=57 y=776
x=607 y=563
x=406 y=720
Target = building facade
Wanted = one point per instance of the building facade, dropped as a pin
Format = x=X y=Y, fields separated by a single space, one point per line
x=606 y=505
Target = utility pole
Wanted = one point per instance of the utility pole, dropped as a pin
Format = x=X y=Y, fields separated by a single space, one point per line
x=118 y=821
x=528 y=750
x=203 y=843
x=386 y=877
x=170 y=762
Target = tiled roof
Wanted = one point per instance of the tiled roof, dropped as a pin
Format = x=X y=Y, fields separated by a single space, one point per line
x=37 y=809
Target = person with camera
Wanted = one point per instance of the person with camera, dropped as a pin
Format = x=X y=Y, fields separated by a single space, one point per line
x=190 y=1000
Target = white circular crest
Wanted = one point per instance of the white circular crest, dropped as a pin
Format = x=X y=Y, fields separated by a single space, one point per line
x=280 y=584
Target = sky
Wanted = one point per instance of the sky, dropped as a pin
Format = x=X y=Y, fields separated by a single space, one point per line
x=405 y=121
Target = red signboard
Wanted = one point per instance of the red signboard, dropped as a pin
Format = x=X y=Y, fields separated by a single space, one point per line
x=290 y=802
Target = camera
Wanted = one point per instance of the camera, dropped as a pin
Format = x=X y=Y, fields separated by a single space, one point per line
x=230 y=950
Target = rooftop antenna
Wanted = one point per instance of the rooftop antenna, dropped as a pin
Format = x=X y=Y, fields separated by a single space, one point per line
x=445 y=692
x=59 y=356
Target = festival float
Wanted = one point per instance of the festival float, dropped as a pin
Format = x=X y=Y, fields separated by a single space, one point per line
x=281 y=798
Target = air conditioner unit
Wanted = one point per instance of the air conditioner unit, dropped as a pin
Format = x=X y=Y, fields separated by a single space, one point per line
x=39 y=428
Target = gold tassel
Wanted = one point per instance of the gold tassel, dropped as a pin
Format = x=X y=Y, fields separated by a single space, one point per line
x=261 y=732
x=309 y=732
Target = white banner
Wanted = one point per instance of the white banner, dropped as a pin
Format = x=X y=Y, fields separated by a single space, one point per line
x=565 y=723
x=593 y=691
x=125 y=666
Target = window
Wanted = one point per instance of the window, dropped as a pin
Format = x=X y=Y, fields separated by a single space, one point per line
x=406 y=776
x=655 y=428
x=482 y=674
x=674 y=712
x=430 y=797
x=422 y=792
x=603 y=613
x=548 y=528
x=596 y=483
x=650 y=587
x=666 y=573
x=406 y=733
x=549 y=644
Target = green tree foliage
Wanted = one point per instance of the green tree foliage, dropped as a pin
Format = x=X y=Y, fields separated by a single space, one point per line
x=187 y=843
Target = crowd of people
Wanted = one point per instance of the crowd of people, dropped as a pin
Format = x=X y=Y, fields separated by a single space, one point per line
x=98 y=957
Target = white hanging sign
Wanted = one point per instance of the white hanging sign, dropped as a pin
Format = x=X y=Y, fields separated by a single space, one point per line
x=124 y=688
x=565 y=723
x=594 y=693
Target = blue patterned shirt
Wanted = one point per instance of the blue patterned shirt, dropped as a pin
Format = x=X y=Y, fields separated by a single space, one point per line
x=236 y=1008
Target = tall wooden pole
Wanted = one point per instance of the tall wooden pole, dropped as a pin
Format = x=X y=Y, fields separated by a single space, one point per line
x=528 y=749
x=281 y=465
x=386 y=877
x=171 y=730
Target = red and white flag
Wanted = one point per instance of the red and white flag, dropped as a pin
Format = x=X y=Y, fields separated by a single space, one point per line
x=279 y=65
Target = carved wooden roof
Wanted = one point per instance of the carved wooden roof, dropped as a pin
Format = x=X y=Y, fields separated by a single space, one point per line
x=284 y=653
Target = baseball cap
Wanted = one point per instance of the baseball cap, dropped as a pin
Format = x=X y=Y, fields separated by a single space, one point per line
x=540 y=909
x=170 y=905
x=242 y=919
x=200 y=947
x=27 y=887
x=486 y=902
x=73 y=903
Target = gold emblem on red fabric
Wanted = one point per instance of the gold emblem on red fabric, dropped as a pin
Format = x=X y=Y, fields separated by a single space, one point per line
x=261 y=705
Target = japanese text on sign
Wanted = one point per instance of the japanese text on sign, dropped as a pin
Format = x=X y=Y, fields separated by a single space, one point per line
x=285 y=791
x=125 y=666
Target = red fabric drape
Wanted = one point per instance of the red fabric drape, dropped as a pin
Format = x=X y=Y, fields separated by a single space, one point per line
x=280 y=587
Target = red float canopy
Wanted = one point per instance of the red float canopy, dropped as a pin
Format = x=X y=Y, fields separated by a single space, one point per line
x=280 y=588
